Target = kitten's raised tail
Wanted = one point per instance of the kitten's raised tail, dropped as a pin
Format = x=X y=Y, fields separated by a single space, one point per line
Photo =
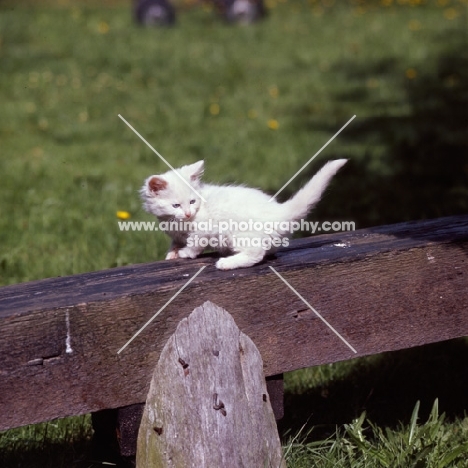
x=300 y=204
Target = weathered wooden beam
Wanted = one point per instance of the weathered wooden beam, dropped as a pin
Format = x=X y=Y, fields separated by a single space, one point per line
x=383 y=289
x=208 y=405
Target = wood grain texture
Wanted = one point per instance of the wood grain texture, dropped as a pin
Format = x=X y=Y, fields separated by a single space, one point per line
x=383 y=289
x=208 y=404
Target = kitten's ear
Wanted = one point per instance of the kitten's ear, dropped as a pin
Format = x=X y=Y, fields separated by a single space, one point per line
x=195 y=170
x=156 y=184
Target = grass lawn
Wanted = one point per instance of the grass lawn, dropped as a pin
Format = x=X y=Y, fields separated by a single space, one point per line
x=256 y=103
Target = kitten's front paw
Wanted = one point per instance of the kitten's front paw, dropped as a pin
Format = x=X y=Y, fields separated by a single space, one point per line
x=225 y=264
x=172 y=255
x=186 y=252
x=240 y=260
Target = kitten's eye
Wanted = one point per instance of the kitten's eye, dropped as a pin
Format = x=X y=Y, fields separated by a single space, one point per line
x=176 y=205
x=192 y=202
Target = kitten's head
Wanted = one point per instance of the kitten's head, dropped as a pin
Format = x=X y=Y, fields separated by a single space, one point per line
x=168 y=197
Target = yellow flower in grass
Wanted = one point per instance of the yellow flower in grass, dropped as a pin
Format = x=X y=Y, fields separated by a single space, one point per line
x=273 y=91
x=123 y=214
x=359 y=10
x=273 y=124
x=411 y=73
x=372 y=83
x=103 y=27
x=83 y=116
x=214 y=108
x=414 y=25
x=450 y=13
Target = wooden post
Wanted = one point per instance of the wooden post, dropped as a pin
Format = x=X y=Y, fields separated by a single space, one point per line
x=208 y=404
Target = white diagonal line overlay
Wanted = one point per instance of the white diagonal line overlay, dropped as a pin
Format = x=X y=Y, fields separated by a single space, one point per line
x=161 y=309
x=160 y=156
x=313 y=310
x=312 y=158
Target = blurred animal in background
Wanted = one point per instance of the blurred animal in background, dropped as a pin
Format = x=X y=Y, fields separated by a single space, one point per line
x=241 y=11
x=154 y=13
x=163 y=13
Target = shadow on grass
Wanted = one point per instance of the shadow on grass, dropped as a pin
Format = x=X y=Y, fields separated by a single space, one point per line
x=66 y=442
x=46 y=454
x=77 y=454
x=422 y=170
x=387 y=387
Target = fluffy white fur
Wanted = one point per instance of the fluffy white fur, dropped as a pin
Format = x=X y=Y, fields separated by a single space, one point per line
x=170 y=199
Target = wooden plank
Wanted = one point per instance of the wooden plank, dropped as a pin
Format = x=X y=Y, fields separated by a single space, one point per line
x=128 y=422
x=275 y=387
x=383 y=289
x=208 y=404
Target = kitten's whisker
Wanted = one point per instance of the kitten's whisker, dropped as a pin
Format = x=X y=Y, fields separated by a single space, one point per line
x=160 y=156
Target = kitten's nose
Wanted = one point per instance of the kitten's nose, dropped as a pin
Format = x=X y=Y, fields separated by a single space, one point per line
x=187 y=215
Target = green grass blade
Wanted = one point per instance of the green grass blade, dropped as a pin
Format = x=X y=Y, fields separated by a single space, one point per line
x=414 y=419
x=451 y=456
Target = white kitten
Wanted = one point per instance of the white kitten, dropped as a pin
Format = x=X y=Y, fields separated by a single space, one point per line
x=233 y=219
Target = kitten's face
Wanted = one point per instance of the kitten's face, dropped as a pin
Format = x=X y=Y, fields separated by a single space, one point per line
x=168 y=197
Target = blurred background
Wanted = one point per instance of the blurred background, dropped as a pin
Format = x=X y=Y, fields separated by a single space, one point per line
x=255 y=101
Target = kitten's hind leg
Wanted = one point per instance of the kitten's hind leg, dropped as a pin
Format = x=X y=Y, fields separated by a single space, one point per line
x=244 y=259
